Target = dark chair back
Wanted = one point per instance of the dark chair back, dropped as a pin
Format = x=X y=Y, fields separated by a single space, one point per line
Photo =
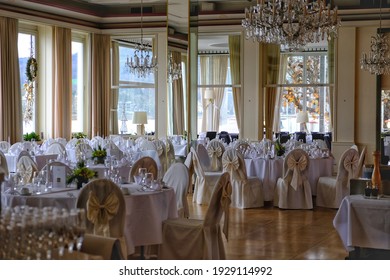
x=300 y=136
x=226 y=136
x=211 y=134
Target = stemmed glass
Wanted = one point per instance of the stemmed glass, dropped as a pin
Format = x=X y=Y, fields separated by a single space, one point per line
x=147 y=181
x=141 y=175
x=80 y=227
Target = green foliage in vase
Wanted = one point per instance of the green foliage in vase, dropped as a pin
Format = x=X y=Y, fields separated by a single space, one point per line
x=31 y=136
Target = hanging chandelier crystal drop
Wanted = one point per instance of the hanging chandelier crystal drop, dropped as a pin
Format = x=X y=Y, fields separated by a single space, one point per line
x=292 y=23
x=377 y=62
x=174 y=69
x=142 y=64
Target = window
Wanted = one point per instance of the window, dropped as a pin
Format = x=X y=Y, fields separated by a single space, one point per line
x=209 y=81
x=78 y=46
x=134 y=94
x=27 y=44
x=305 y=88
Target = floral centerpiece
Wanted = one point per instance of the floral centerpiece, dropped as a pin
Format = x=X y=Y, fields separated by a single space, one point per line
x=279 y=148
x=31 y=137
x=81 y=174
x=99 y=154
x=79 y=135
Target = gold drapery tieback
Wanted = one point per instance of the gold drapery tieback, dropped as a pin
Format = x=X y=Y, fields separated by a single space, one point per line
x=225 y=204
x=101 y=214
x=351 y=163
x=296 y=166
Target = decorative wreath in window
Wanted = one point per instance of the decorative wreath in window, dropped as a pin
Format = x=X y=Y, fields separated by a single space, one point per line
x=31 y=74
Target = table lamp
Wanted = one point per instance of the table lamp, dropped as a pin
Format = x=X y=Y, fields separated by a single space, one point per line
x=140 y=119
x=303 y=118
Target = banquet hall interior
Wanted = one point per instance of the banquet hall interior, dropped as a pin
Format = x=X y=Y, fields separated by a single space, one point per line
x=208 y=92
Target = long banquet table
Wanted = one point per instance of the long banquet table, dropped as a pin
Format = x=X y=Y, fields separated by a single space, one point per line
x=145 y=211
x=363 y=222
x=269 y=170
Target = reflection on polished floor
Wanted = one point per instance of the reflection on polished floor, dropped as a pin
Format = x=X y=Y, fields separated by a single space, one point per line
x=269 y=233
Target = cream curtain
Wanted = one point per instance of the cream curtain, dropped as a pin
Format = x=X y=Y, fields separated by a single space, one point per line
x=11 y=126
x=115 y=91
x=62 y=82
x=178 y=99
x=204 y=62
x=234 y=51
x=101 y=88
x=272 y=53
x=219 y=78
x=331 y=73
x=278 y=102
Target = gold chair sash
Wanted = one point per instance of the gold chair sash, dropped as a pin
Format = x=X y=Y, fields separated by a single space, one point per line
x=296 y=166
x=101 y=214
x=214 y=151
x=351 y=164
x=225 y=203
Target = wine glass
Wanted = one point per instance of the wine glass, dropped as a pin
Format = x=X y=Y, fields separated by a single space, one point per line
x=80 y=227
x=141 y=175
x=147 y=181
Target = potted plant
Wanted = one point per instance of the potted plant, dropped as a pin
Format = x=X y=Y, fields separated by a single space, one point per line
x=99 y=154
x=31 y=137
x=79 y=135
x=81 y=174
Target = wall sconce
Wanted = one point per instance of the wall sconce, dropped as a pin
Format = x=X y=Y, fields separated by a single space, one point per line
x=140 y=119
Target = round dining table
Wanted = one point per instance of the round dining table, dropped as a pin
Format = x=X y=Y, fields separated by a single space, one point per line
x=145 y=210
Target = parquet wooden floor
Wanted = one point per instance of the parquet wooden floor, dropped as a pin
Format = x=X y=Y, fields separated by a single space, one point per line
x=270 y=233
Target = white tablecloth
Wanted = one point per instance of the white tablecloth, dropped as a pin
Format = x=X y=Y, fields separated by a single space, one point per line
x=269 y=170
x=145 y=211
x=363 y=222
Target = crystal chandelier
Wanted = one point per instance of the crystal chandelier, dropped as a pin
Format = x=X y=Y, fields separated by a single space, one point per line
x=141 y=64
x=377 y=62
x=292 y=23
x=174 y=69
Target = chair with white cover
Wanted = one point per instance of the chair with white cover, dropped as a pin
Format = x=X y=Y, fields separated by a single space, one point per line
x=161 y=151
x=204 y=181
x=204 y=158
x=108 y=248
x=4 y=146
x=105 y=208
x=113 y=150
x=177 y=177
x=85 y=149
x=15 y=148
x=147 y=145
x=293 y=191
x=199 y=239
x=26 y=167
x=247 y=192
x=243 y=147
x=144 y=162
x=215 y=149
x=362 y=157
x=55 y=148
x=3 y=163
x=332 y=190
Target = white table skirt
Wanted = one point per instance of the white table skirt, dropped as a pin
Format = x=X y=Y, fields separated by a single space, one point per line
x=362 y=222
x=269 y=170
x=145 y=211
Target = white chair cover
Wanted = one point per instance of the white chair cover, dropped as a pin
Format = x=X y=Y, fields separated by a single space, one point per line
x=4 y=164
x=177 y=177
x=246 y=192
x=161 y=151
x=144 y=162
x=26 y=168
x=15 y=149
x=105 y=207
x=97 y=141
x=362 y=157
x=85 y=149
x=203 y=157
x=199 y=239
x=4 y=146
x=68 y=170
x=113 y=150
x=46 y=143
x=215 y=149
x=293 y=191
x=331 y=190
x=204 y=182
x=62 y=141
x=55 y=148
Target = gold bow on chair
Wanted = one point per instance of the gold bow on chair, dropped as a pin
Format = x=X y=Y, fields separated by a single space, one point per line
x=214 y=151
x=225 y=204
x=101 y=214
x=231 y=164
x=297 y=166
x=351 y=163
